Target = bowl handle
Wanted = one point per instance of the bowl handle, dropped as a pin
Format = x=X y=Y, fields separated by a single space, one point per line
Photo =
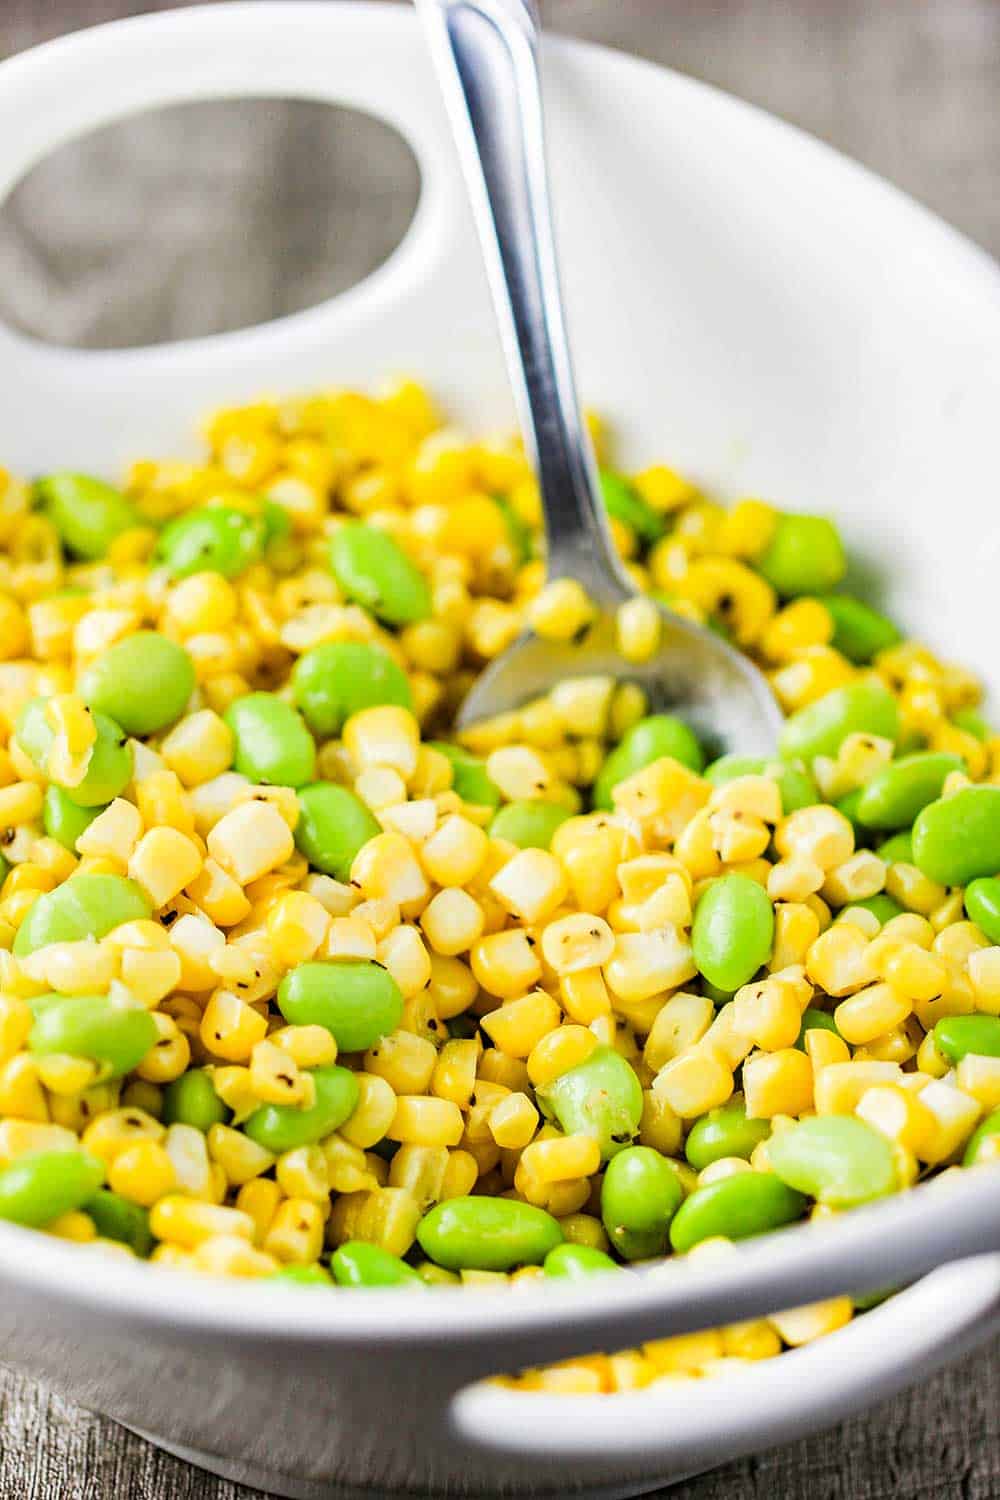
x=368 y=57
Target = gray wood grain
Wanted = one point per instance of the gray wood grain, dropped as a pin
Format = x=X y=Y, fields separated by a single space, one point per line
x=907 y=86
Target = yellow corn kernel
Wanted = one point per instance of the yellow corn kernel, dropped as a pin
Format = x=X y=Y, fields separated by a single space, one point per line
x=143 y=1173
x=506 y=963
x=114 y=833
x=768 y=1013
x=405 y=1061
x=517 y=1026
x=374 y=1110
x=638 y=626
x=295 y=1234
x=513 y=1121
x=163 y=863
x=520 y=772
x=296 y=926
x=870 y=1013
x=454 y=1075
x=161 y=799
x=800 y=1325
x=984 y=975
x=561 y=1159
x=387 y=869
x=839 y=1087
x=230 y=1028
x=839 y=961
x=857 y=878
x=777 y=1083
x=531 y=885
x=426 y=1122
x=645 y=963
x=825 y=1047
x=230 y=1255
x=584 y=996
x=29 y=1137
x=821 y=835
x=557 y=1052
x=247 y=842
x=452 y=921
x=577 y=942
x=560 y=610
x=455 y=853
x=459 y=1177
x=912 y=889
x=16 y=1021
x=305 y=1173
x=150 y=976
x=274 y=1075
x=385 y=1216
x=695 y=1082
x=20 y=803
x=679 y=1024
x=240 y=1158
x=686 y=1352
x=198 y=747
x=75 y=1226
x=187 y=1222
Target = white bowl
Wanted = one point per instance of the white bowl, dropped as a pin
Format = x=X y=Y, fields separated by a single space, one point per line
x=761 y=313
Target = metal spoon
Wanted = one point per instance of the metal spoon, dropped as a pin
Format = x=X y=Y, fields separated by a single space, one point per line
x=486 y=52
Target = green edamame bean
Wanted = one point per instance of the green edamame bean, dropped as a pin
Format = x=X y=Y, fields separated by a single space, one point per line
x=859 y=632
x=982 y=906
x=623 y=502
x=898 y=849
x=576 y=1262
x=864 y=707
x=214 y=539
x=282 y=1127
x=980 y=1147
x=143 y=682
x=373 y=570
x=715 y=994
x=358 y=1002
x=87 y=513
x=333 y=681
x=649 y=740
x=601 y=1097
x=733 y=931
x=957 y=840
x=115 y=1034
x=902 y=789
x=737 y=1207
x=640 y=1194
x=972 y=721
x=848 y=805
x=836 y=1159
x=4 y=869
x=109 y=770
x=313 y=1275
x=804 y=556
x=956 y=1036
x=359 y=1264
x=724 y=1131
x=813 y=1019
x=881 y=906
x=34 y=1190
x=191 y=1100
x=487 y=1234
x=273 y=747
x=116 y=1218
x=796 y=785
x=333 y=825
x=530 y=825
x=468 y=775
x=519 y=533
x=277 y=522
x=83 y=906
x=63 y=819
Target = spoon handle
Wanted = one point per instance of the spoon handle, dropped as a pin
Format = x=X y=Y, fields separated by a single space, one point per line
x=486 y=53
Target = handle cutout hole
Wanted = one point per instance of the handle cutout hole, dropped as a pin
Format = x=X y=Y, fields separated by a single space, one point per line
x=200 y=219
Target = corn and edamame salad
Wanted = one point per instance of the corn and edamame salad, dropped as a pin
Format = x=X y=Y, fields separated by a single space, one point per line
x=298 y=983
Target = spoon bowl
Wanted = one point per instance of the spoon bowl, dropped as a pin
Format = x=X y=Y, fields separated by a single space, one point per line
x=693 y=674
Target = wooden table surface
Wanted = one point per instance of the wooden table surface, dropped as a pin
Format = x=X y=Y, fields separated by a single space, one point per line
x=907 y=86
